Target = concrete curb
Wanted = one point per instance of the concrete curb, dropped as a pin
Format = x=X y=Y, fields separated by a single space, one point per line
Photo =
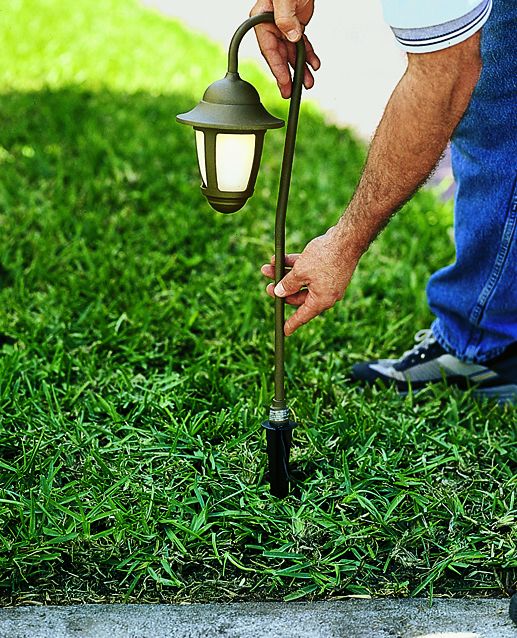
x=356 y=618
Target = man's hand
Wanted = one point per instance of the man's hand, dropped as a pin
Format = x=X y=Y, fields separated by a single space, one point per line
x=319 y=277
x=277 y=41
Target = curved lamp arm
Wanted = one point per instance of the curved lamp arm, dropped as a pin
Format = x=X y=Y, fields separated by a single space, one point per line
x=279 y=413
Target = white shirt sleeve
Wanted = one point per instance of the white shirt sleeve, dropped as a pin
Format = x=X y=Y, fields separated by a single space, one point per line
x=421 y=26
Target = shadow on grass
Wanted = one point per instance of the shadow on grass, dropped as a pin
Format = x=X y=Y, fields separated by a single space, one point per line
x=136 y=362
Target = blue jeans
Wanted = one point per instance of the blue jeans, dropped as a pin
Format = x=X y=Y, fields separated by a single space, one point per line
x=475 y=299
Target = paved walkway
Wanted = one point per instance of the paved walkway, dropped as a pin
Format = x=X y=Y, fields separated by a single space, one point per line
x=343 y=619
x=361 y=64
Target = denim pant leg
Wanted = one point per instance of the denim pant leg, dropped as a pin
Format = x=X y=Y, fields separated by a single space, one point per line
x=475 y=299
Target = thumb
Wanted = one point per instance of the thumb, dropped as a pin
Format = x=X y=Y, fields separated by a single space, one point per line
x=288 y=285
x=286 y=19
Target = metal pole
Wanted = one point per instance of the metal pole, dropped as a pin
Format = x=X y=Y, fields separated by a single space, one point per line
x=278 y=427
x=281 y=211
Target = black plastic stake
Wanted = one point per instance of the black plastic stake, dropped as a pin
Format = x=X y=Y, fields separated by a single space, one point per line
x=279 y=438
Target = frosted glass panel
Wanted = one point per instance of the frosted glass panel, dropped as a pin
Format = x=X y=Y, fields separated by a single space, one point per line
x=200 y=144
x=234 y=161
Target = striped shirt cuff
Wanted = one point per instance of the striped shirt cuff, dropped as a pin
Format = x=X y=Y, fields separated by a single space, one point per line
x=442 y=36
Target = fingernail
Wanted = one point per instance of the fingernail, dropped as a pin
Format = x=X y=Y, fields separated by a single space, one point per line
x=293 y=35
x=279 y=290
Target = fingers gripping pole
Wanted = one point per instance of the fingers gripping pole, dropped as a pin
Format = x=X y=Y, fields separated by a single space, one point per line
x=233 y=52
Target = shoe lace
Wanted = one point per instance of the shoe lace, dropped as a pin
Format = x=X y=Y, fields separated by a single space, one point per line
x=423 y=339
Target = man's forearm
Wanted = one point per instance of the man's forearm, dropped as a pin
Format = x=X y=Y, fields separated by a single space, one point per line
x=419 y=119
x=423 y=111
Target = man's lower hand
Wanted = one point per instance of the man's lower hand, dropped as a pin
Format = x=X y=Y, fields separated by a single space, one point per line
x=318 y=279
x=277 y=41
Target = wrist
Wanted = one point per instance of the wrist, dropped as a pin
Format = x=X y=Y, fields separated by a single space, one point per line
x=350 y=237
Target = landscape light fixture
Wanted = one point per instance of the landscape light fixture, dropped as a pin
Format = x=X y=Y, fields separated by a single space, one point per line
x=230 y=123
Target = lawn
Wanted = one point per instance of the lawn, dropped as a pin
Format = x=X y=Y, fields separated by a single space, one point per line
x=136 y=358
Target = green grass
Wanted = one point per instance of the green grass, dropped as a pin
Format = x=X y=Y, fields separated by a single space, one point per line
x=136 y=357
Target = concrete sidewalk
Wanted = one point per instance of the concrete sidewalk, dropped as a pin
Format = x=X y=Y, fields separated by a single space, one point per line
x=361 y=64
x=356 y=618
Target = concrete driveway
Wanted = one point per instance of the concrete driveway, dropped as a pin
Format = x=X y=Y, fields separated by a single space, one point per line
x=356 y=618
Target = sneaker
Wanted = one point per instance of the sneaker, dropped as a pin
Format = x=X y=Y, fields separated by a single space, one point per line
x=427 y=362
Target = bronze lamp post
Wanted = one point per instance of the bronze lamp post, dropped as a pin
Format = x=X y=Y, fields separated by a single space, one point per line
x=230 y=124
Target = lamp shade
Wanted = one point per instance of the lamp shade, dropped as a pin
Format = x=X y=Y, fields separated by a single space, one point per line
x=230 y=123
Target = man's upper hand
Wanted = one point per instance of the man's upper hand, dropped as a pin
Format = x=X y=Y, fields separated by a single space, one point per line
x=277 y=41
